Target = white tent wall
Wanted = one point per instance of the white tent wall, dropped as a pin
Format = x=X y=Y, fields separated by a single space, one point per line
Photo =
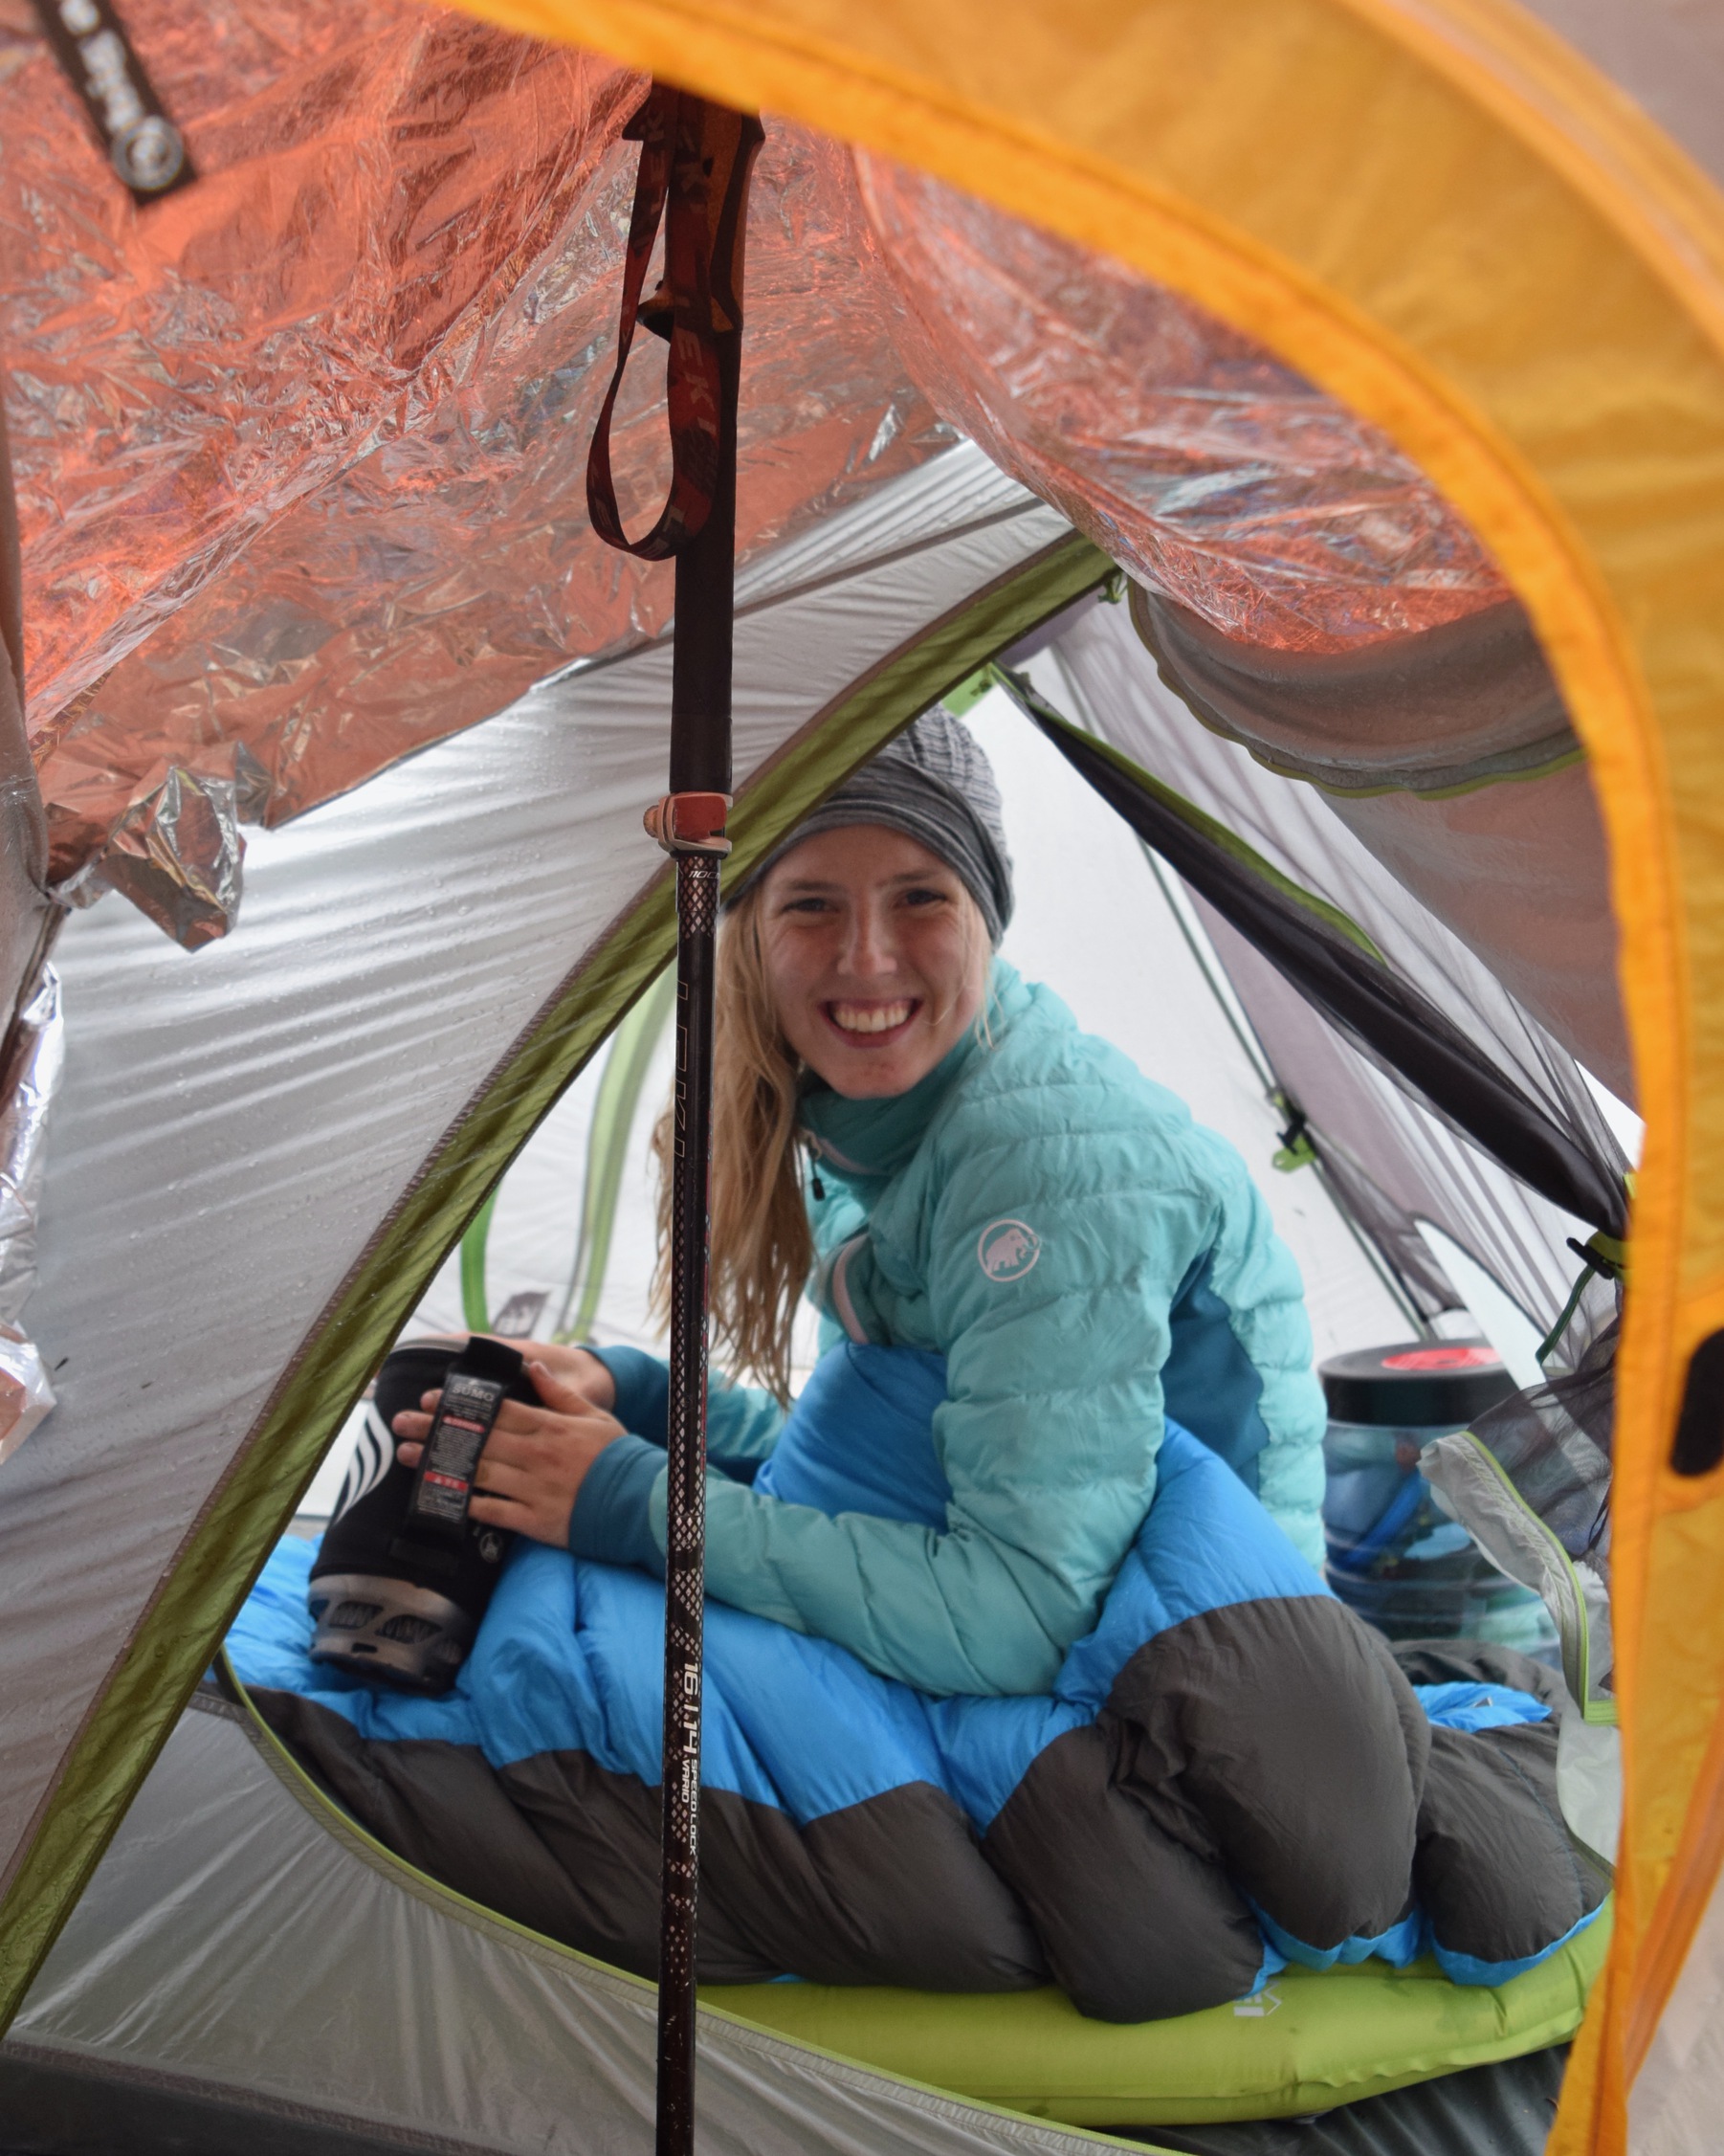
x=1107 y=681
x=1422 y=1166
x=535 y=1228
x=236 y=1124
x=1296 y=826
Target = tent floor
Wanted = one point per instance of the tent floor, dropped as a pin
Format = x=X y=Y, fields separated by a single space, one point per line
x=49 y=2109
x=1504 y=2109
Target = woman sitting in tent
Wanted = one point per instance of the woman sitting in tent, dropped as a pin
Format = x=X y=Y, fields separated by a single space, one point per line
x=1048 y=1692
x=989 y=1187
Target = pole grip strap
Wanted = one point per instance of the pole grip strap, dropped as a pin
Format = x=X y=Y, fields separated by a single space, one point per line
x=693 y=168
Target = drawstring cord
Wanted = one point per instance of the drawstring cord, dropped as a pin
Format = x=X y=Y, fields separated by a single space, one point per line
x=1606 y=1255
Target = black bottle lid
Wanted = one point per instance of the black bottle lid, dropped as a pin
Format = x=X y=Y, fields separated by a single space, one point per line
x=1416 y=1385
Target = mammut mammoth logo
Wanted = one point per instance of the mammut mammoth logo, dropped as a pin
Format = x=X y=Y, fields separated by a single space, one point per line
x=1008 y=1249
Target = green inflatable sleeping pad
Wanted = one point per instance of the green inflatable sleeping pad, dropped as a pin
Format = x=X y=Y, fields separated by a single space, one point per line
x=1307 y=2043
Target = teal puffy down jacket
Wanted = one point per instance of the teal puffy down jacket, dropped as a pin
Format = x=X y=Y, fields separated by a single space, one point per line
x=1087 y=1258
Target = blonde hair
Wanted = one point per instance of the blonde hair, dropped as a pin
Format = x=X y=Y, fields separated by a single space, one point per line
x=762 y=1249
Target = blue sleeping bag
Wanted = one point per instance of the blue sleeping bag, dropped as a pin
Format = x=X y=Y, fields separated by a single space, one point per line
x=1230 y=1772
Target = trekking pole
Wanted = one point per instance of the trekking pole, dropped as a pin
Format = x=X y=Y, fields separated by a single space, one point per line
x=696 y=162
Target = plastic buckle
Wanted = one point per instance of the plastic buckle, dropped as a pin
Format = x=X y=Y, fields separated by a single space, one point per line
x=689 y=823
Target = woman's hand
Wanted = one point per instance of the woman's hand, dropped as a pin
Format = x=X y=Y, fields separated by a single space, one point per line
x=536 y=1458
x=572 y=1366
x=578 y=1367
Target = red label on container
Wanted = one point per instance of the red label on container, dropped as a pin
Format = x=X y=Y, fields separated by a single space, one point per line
x=1445 y=1359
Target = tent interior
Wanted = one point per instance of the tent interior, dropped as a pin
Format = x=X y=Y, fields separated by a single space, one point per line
x=1125 y=943
x=336 y=952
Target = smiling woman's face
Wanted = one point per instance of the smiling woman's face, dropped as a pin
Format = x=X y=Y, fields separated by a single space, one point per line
x=876 y=956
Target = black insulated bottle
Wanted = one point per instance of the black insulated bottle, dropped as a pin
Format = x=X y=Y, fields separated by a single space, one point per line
x=404 y=1574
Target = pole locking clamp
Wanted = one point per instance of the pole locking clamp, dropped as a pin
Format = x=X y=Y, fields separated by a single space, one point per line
x=689 y=823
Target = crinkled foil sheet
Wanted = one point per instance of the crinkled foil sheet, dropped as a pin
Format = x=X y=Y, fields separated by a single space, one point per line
x=37 y=1049
x=299 y=451
x=1204 y=466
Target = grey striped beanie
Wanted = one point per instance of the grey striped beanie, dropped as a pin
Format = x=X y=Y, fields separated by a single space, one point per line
x=934 y=784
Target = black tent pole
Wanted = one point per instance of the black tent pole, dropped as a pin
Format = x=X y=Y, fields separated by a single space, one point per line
x=699 y=772
x=689 y=822
x=685 y=1497
x=695 y=167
